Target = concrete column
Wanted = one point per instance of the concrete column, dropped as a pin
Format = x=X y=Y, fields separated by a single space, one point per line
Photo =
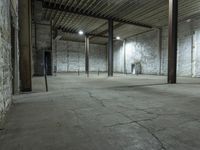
x=172 y=41
x=87 y=50
x=110 y=47
x=25 y=45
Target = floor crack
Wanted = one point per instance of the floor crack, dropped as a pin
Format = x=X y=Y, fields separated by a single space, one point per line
x=148 y=130
x=99 y=101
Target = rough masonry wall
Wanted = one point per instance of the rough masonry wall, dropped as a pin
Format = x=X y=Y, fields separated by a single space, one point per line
x=143 y=48
x=188 y=54
x=5 y=56
x=41 y=39
x=70 y=56
x=67 y=56
x=118 y=61
x=42 y=43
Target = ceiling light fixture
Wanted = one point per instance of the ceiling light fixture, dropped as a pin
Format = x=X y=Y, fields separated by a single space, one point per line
x=80 y=32
x=188 y=20
x=118 y=38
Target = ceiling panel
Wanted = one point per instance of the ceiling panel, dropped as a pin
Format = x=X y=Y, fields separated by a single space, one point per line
x=151 y=12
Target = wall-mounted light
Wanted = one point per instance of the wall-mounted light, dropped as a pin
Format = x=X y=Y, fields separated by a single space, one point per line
x=188 y=20
x=118 y=38
x=80 y=32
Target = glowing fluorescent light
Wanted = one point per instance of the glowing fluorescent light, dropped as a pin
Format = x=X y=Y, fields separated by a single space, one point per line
x=118 y=38
x=188 y=20
x=80 y=32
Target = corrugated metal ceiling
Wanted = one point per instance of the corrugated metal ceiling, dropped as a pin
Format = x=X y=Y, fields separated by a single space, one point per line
x=151 y=12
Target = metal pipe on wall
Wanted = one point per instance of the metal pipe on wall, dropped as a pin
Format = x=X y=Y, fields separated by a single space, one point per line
x=124 y=48
x=87 y=49
x=160 y=49
x=51 y=28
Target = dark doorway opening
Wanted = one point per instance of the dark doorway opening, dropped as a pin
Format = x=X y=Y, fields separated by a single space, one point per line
x=48 y=63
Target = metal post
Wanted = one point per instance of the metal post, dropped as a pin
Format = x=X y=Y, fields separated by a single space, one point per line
x=110 y=48
x=124 y=47
x=87 y=49
x=25 y=46
x=160 y=49
x=172 y=41
x=45 y=74
x=51 y=28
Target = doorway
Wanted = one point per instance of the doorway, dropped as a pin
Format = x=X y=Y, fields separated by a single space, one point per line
x=48 y=62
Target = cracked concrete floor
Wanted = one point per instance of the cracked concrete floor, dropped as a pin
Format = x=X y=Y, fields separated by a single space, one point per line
x=98 y=113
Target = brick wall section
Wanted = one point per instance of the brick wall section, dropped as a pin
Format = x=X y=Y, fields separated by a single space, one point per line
x=70 y=56
x=188 y=54
x=67 y=56
x=145 y=49
x=42 y=44
x=5 y=55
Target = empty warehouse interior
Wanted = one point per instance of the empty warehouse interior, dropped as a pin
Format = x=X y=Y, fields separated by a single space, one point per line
x=99 y=74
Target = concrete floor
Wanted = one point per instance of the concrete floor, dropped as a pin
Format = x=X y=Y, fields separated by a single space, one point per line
x=98 y=113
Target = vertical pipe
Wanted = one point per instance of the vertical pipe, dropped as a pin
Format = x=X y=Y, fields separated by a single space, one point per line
x=172 y=43
x=160 y=49
x=45 y=73
x=110 y=48
x=56 y=55
x=51 y=46
x=193 y=54
x=124 y=47
x=87 y=49
x=35 y=36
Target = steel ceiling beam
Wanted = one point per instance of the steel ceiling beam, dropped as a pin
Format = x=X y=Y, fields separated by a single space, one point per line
x=72 y=31
x=58 y=7
x=106 y=31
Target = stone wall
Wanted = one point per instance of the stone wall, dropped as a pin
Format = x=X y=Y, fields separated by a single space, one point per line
x=42 y=32
x=188 y=54
x=6 y=67
x=145 y=49
x=70 y=56
x=67 y=56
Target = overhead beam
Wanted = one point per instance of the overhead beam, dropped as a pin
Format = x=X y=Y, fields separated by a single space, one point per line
x=60 y=34
x=102 y=25
x=172 y=41
x=72 y=31
x=106 y=31
x=58 y=7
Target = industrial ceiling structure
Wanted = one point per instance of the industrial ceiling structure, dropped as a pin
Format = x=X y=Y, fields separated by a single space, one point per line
x=131 y=17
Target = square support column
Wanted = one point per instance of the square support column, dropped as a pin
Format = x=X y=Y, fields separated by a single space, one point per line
x=172 y=41
x=110 y=47
x=25 y=45
x=87 y=51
